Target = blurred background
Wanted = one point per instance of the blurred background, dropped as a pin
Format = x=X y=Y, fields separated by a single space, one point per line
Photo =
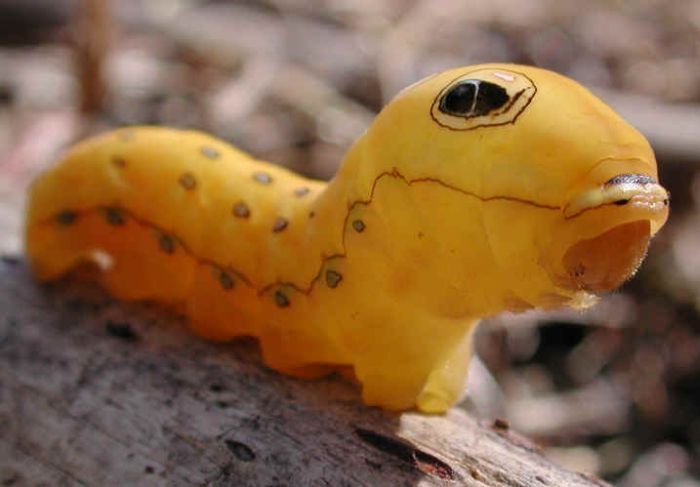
x=614 y=391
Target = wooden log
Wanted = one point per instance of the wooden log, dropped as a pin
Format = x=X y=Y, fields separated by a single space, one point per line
x=94 y=392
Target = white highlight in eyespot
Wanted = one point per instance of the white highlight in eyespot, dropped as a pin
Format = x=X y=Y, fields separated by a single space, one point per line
x=503 y=76
x=519 y=88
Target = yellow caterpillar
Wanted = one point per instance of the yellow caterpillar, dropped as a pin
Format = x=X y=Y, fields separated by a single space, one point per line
x=475 y=191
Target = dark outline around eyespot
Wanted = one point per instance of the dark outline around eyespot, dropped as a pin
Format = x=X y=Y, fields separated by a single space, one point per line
x=515 y=97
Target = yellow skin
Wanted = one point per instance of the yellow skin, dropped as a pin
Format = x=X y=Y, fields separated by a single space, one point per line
x=517 y=189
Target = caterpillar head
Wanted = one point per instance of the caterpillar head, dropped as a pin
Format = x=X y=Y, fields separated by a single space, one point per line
x=569 y=194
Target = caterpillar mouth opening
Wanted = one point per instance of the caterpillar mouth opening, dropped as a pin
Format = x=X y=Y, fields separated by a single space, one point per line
x=639 y=192
x=619 y=215
x=604 y=262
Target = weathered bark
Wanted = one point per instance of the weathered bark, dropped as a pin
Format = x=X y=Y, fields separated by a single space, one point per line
x=94 y=392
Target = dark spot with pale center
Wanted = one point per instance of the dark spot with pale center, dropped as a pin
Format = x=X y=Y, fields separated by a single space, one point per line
x=358 y=225
x=225 y=279
x=114 y=216
x=303 y=191
x=188 y=181
x=66 y=217
x=119 y=162
x=262 y=177
x=167 y=244
x=241 y=210
x=280 y=224
x=333 y=278
x=210 y=152
x=281 y=299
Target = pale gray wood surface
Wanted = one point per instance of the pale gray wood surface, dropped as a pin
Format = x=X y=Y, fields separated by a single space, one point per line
x=94 y=392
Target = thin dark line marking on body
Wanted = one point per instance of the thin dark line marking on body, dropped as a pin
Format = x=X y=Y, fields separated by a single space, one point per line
x=394 y=173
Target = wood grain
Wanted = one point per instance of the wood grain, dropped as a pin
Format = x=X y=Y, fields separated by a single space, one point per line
x=94 y=392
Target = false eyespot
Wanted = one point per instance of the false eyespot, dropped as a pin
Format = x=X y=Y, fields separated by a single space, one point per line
x=483 y=98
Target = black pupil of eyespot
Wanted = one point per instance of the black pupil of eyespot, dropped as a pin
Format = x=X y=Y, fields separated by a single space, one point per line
x=473 y=98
